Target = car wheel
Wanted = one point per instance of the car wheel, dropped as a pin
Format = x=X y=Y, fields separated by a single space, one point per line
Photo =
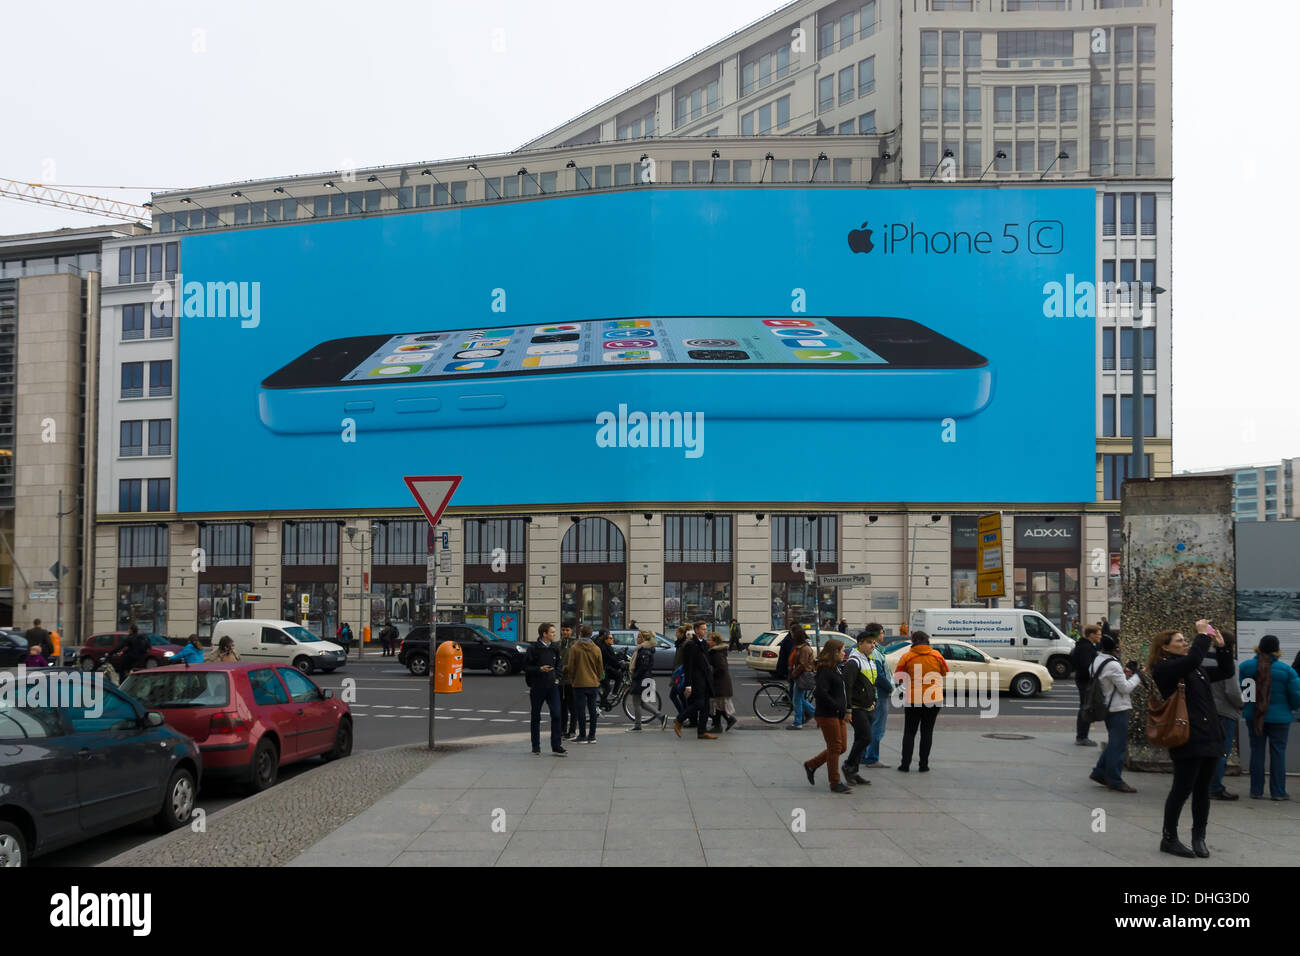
x=151 y=662
x=500 y=666
x=303 y=664
x=13 y=847
x=1024 y=685
x=178 y=801
x=1059 y=667
x=342 y=741
x=265 y=767
x=87 y=664
x=418 y=665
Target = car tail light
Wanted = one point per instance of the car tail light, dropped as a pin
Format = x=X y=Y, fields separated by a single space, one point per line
x=226 y=722
x=769 y=653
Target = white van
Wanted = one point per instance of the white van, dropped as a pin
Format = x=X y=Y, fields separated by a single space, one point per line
x=1011 y=633
x=280 y=642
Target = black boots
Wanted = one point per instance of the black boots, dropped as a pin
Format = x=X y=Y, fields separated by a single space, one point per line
x=1198 y=845
x=1169 y=844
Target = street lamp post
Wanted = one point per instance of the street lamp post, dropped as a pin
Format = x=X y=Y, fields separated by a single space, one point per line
x=1139 y=386
x=361 y=548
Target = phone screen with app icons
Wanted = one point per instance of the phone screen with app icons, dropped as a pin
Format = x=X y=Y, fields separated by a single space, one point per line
x=715 y=341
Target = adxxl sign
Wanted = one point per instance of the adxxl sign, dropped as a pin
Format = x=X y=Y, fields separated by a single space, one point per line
x=651 y=345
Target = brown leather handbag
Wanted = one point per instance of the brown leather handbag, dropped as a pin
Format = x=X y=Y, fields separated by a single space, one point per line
x=1167 y=724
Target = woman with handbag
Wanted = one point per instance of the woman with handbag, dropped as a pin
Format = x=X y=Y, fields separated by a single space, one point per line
x=802 y=678
x=1186 y=722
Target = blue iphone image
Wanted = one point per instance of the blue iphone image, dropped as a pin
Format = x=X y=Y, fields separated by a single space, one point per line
x=726 y=367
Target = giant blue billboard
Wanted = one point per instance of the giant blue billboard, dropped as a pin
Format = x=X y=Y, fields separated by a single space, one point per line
x=660 y=345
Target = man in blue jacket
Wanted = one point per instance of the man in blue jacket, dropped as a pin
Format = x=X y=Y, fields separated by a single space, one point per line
x=884 y=688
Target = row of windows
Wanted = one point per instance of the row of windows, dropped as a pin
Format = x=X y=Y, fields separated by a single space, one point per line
x=1120 y=39
x=956 y=46
x=758 y=73
x=1032 y=103
x=773 y=171
x=148 y=263
x=160 y=379
x=132 y=433
x=158 y=492
x=1126 y=416
x=1129 y=204
x=760 y=121
x=1126 y=341
x=1099 y=162
x=1101 y=101
x=642 y=124
x=840 y=32
x=1114 y=470
x=695 y=103
x=853 y=81
x=1127 y=290
x=160 y=326
x=1028 y=155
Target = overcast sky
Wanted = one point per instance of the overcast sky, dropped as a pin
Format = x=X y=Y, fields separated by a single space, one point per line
x=172 y=94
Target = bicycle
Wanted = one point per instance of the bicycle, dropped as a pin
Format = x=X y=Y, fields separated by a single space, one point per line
x=621 y=692
x=772 y=704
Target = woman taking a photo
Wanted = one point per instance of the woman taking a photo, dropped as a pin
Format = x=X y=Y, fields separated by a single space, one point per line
x=1171 y=661
x=922 y=669
x=832 y=705
x=1268 y=716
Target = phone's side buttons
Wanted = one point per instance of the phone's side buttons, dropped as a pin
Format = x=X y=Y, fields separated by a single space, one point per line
x=410 y=406
x=354 y=407
x=477 y=402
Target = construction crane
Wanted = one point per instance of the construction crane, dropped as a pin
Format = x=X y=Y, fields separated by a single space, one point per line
x=66 y=199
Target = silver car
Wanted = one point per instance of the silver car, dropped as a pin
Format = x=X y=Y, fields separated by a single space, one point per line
x=665 y=650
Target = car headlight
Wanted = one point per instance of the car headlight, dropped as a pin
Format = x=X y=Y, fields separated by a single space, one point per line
x=169 y=653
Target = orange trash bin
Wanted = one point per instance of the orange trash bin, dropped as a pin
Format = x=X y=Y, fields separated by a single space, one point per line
x=449 y=665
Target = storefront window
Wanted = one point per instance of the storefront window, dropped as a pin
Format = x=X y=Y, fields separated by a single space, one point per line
x=220 y=602
x=685 y=601
x=406 y=605
x=144 y=605
x=482 y=598
x=802 y=601
x=315 y=605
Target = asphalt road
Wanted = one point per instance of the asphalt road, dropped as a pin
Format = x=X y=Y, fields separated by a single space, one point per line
x=390 y=708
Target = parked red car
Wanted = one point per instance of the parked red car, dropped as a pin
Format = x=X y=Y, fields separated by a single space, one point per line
x=110 y=646
x=248 y=719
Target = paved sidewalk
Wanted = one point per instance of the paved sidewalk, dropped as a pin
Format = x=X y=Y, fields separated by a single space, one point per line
x=652 y=799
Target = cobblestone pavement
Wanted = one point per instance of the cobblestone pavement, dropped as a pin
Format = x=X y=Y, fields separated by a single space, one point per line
x=276 y=826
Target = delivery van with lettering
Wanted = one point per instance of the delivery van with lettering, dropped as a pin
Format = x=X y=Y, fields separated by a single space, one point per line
x=1010 y=632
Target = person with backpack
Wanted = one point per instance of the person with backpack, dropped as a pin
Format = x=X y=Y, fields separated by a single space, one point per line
x=832 y=704
x=1082 y=656
x=735 y=636
x=860 y=686
x=923 y=669
x=884 y=689
x=802 y=675
x=697 y=683
x=541 y=665
x=642 y=664
x=720 y=705
x=613 y=667
x=676 y=688
x=1268 y=716
x=345 y=635
x=1109 y=700
x=1173 y=663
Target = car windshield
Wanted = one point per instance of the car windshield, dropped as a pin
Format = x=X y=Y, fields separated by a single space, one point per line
x=766 y=638
x=157 y=640
x=301 y=635
x=179 y=689
x=487 y=635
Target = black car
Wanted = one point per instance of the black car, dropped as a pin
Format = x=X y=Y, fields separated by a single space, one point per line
x=13 y=648
x=85 y=759
x=482 y=649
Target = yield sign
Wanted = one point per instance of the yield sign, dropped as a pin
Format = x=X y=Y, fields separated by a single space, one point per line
x=432 y=493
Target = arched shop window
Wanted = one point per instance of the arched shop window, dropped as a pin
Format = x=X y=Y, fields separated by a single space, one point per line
x=801 y=544
x=698 y=570
x=593 y=574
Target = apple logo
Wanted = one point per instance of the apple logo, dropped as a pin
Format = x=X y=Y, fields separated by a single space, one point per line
x=860 y=239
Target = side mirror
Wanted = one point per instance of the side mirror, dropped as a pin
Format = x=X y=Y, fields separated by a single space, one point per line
x=154 y=719
x=327 y=694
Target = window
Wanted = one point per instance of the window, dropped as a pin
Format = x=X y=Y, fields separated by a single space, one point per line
x=819 y=538
x=694 y=103
x=1002 y=104
x=700 y=171
x=843 y=168
x=1025 y=156
x=847 y=128
x=1025 y=45
x=1146 y=44
x=155 y=262
x=1099 y=164
x=929 y=156
x=29 y=723
x=1148 y=214
x=1069 y=104
x=1100 y=101
x=132 y=379
x=141 y=264
x=1123 y=45
x=1123 y=101
x=160 y=379
x=867 y=123
x=973 y=162
x=604 y=177
x=1108 y=214
x=1108 y=343
x=320 y=205
x=780 y=171
x=423 y=195
x=846 y=30
x=1046 y=154
x=825 y=93
x=826 y=39
x=1148 y=349
x=485 y=535
x=1024 y=104
x=783 y=112
x=952 y=104
x=866 y=76
x=972 y=104
x=1123 y=155
x=267 y=689
x=128 y=494
x=951 y=48
x=311 y=543
x=929 y=104
x=1146 y=100
x=1047 y=104
x=1070 y=147
x=929 y=48
x=740 y=171
x=1002 y=157
x=1116 y=468
x=227 y=545
x=867 y=18
x=124 y=265
x=681 y=171
x=1148 y=416
x=1147 y=276
x=971 y=48
x=1108 y=416
x=301 y=690
x=142 y=546
x=160 y=436
x=132 y=322
x=693 y=539
x=108 y=712
x=160 y=326
x=1146 y=161
x=131 y=435
x=160 y=494
x=846 y=85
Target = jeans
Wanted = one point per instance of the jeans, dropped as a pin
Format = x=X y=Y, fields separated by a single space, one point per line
x=584 y=702
x=551 y=697
x=634 y=694
x=1110 y=765
x=833 y=732
x=803 y=708
x=697 y=709
x=1080 y=725
x=862 y=722
x=922 y=717
x=1229 y=725
x=1191 y=778
x=678 y=699
x=568 y=715
x=878 y=728
x=1274 y=738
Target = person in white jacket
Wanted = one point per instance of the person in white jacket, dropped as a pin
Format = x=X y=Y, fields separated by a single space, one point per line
x=1117 y=683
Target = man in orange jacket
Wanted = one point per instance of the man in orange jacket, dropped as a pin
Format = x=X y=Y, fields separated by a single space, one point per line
x=920 y=671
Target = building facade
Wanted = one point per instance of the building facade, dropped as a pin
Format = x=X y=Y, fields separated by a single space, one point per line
x=819 y=96
x=1263 y=492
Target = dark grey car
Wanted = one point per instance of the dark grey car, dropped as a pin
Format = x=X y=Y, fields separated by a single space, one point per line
x=73 y=768
x=665 y=650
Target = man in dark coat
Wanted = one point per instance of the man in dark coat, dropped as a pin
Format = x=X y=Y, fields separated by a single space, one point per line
x=1082 y=655
x=39 y=635
x=698 y=686
x=541 y=667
